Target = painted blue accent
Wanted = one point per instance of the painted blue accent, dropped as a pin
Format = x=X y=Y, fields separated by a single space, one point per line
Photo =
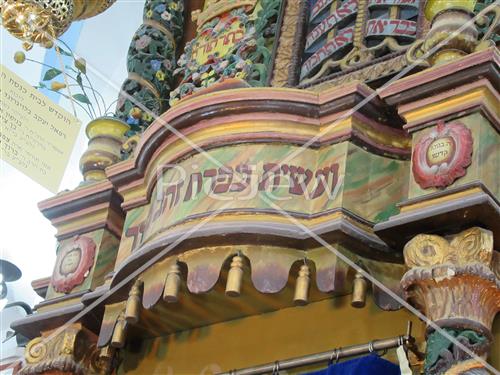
x=70 y=37
x=367 y=365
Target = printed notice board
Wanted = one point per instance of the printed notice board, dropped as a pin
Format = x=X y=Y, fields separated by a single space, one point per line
x=36 y=135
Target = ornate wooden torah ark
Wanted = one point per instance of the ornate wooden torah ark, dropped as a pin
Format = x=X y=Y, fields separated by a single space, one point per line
x=282 y=160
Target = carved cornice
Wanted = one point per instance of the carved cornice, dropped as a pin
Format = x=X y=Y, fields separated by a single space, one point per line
x=444 y=78
x=84 y=209
x=288 y=115
x=480 y=95
x=35 y=324
x=268 y=274
x=468 y=204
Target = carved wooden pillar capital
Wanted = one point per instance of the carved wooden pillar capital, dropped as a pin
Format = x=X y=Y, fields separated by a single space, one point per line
x=71 y=351
x=455 y=282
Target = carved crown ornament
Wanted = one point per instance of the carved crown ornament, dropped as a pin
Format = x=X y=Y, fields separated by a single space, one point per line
x=214 y=8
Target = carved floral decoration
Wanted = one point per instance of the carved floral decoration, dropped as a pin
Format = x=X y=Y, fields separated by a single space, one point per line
x=237 y=44
x=150 y=63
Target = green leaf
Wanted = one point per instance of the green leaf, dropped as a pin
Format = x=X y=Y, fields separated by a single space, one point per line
x=79 y=79
x=51 y=73
x=81 y=98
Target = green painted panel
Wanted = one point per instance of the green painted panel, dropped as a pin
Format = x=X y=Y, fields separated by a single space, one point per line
x=268 y=178
x=374 y=184
x=106 y=257
x=489 y=157
x=248 y=178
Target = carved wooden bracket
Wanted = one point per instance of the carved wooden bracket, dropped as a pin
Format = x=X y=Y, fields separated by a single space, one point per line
x=71 y=351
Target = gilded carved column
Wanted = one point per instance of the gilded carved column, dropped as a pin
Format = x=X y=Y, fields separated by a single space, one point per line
x=449 y=20
x=456 y=30
x=454 y=281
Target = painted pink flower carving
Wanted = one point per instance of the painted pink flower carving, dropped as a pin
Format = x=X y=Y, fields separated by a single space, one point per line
x=142 y=42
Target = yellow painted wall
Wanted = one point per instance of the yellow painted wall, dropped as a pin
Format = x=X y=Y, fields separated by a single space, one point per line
x=287 y=333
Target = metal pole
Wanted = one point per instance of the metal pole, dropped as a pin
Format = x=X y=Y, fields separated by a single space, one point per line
x=348 y=351
x=21 y=304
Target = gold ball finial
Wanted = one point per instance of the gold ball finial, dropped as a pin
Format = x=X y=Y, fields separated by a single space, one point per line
x=19 y=57
x=42 y=21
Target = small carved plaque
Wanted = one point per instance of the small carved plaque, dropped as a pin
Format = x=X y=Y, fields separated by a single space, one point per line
x=440 y=151
x=74 y=260
x=70 y=262
x=442 y=155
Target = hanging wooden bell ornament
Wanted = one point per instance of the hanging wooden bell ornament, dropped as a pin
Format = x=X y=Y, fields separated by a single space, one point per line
x=301 y=296
x=106 y=356
x=360 y=286
x=107 y=352
x=133 y=307
x=172 y=284
x=119 y=333
x=235 y=277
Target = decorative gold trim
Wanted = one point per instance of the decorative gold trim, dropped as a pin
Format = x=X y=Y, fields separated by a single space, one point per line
x=163 y=29
x=439 y=200
x=215 y=9
x=143 y=82
x=285 y=51
x=371 y=72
